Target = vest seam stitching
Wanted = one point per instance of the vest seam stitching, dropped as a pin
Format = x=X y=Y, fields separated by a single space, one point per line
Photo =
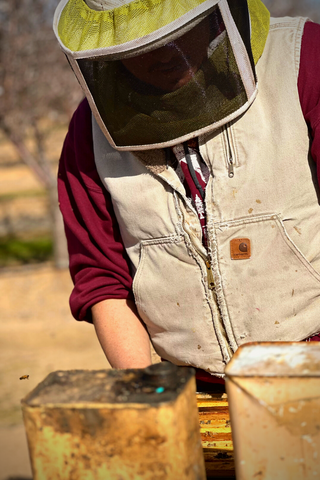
x=297 y=44
x=296 y=251
x=169 y=239
x=135 y=280
x=290 y=23
x=281 y=25
x=246 y=220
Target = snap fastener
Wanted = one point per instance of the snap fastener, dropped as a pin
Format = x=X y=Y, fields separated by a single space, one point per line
x=243 y=247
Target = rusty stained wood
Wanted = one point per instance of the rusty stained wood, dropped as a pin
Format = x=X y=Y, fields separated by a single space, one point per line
x=274 y=393
x=87 y=425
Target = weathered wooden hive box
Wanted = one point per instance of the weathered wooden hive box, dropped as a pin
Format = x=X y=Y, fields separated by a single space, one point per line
x=274 y=394
x=127 y=424
x=115 y=425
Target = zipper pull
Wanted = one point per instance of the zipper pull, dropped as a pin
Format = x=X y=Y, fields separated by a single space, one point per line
x=230 y=168
x=210 y=276
x=230 y=159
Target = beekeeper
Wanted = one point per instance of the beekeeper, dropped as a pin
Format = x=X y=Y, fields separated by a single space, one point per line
x=186 y=181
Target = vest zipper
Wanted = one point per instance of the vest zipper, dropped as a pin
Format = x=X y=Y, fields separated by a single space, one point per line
x=210 y=278
x=212 y=287
x=230 y=168
x=229 y=156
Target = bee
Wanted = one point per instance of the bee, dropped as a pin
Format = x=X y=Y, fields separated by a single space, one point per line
x=24 y=377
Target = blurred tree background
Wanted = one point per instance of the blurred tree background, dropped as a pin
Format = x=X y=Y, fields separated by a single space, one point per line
x=38 y=94
x=291 y=8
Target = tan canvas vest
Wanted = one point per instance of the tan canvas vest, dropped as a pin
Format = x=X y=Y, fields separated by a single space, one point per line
x=271 y=205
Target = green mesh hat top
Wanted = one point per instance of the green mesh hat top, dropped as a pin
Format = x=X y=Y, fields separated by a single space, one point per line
x=159 y=72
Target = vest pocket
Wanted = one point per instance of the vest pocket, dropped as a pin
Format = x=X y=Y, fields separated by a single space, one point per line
x=275 y=294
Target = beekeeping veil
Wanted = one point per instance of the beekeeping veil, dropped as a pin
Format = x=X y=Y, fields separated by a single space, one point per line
x=159 y=72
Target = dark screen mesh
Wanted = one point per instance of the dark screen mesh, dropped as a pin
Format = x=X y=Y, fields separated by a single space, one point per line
x=183 y=87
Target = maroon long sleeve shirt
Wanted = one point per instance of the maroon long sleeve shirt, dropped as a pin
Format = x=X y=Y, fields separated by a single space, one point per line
x=98 y=263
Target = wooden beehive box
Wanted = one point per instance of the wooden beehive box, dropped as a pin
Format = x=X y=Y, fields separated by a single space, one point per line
x=215 y=432
x=115 y=425
x=274 y=393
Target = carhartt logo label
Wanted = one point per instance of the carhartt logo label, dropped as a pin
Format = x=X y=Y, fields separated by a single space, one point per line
x=240 y=248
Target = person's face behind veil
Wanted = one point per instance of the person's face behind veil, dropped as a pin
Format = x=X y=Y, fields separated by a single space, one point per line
x=172 y=66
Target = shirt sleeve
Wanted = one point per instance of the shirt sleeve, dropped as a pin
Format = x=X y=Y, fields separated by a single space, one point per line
x=98 y=263
x=309 y=86
x=309 y=93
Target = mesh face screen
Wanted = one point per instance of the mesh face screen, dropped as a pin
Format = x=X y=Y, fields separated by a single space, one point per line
x=165 y=94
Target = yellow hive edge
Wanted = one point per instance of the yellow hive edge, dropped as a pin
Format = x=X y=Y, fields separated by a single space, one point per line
x=215 y=430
